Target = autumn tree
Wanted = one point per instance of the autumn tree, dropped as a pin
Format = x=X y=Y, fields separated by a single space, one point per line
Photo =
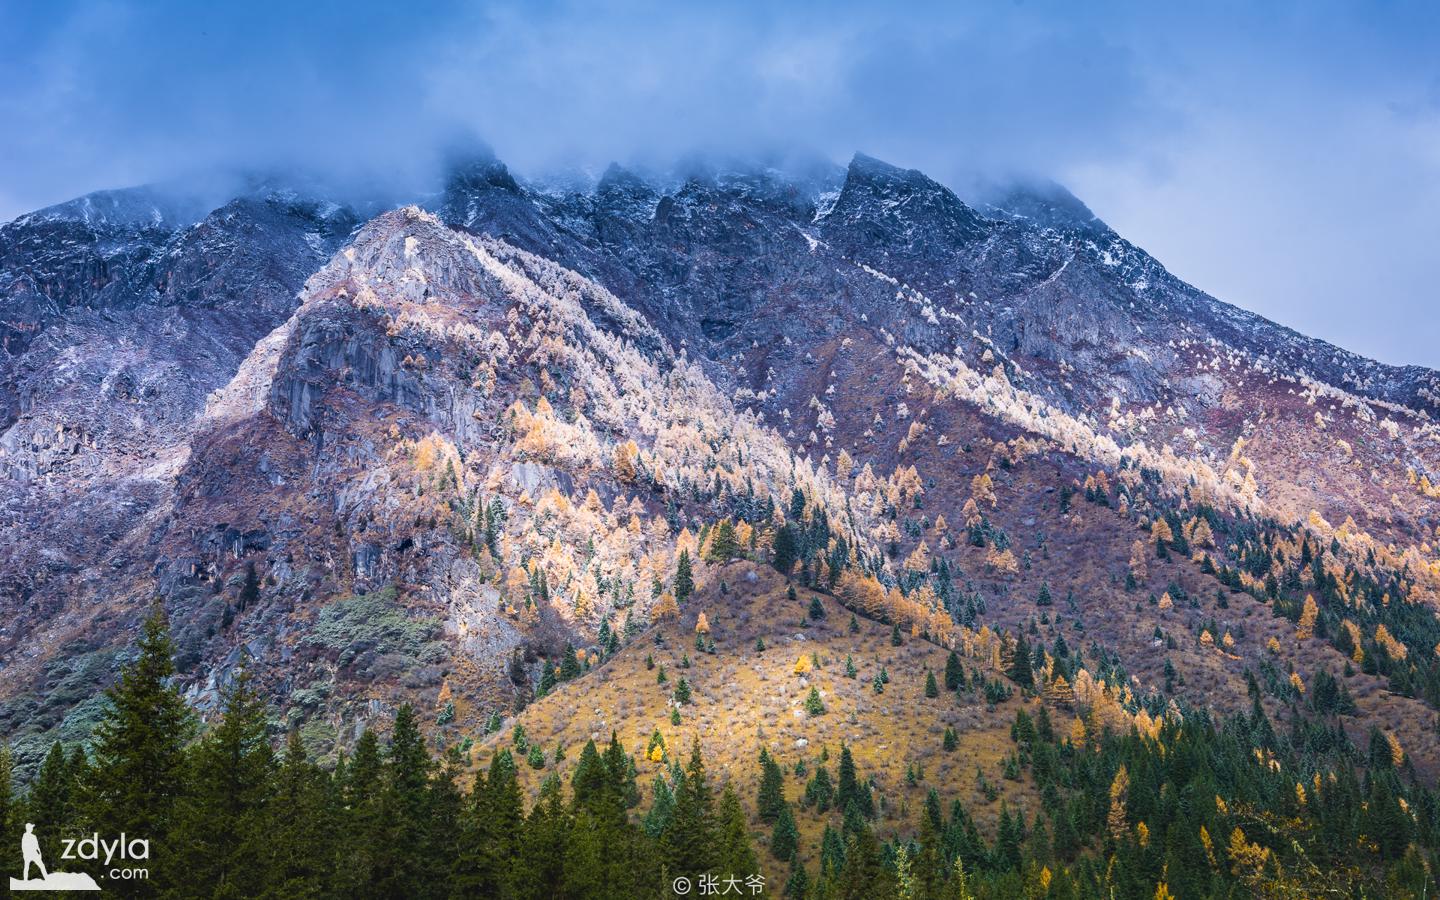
x=1305 y=628
x=623 y=461
x=1115 y=820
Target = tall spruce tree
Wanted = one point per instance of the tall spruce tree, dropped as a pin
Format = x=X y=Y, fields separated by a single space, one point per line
x=772 y=789
x=785 y=839
x=223 y=821
x=690 y=836
x=52 y=806
x=299 y=857
x=684 y=577
x=734 y=853
x=139 y=747
x=404 y=808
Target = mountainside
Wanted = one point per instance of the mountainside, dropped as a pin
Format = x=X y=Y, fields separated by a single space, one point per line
x=488 y=458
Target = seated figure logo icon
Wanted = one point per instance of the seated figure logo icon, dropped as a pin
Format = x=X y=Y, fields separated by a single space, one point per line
x=48 y=881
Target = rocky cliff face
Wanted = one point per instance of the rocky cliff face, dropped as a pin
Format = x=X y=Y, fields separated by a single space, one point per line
x=494 y=427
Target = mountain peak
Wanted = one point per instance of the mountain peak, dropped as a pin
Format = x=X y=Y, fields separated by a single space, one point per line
x=903 y=202
x=1043 y=203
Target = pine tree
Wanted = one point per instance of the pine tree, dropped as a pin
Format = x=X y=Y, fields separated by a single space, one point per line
x=139 y=747
x=569 y=663
x=814 y=706
x=362 y=823
x=52 y=804
x=689 y=836
x=734 y=854
x=223 y=820
x=297 y=858
x=684 y=578
x=854 y=624
x=723 y=545
x=786 y=837
x=772 y=789
x=785 y=549
x=10 y=809
x=1044 y=599
x=950 y=741
x=797 y=887
x=817 y=609
x=1020 y=671
x=932 y=690
x=954 y=673
x=895 y=640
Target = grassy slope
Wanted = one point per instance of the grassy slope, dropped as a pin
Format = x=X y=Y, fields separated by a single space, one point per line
x=744 y=699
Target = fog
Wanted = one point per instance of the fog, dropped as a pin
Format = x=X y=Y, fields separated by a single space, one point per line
x=1285 y=159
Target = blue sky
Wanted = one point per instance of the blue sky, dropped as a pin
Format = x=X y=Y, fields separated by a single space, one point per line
x=1283 y=156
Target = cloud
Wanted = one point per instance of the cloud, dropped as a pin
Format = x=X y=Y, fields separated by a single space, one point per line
x=1282 y=156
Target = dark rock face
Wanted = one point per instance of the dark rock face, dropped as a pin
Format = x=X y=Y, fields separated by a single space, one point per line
x=171 y=415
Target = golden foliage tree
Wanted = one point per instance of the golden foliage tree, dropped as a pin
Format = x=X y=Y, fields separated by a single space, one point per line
x=1115 y=820
x=623 y=461
x=666 y=607
x=1305 y=629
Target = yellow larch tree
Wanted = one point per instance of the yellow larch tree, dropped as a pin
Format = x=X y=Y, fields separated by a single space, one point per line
x=1305 y=628
x=1119 y=790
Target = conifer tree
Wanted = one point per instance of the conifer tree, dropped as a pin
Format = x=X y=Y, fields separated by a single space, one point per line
x=814 y=706
x=661 y=808
x=735 y=855
x=723 y=545
x=620 y=775
x=797 y=886
x=491 y=827
x=569 y=663
x=404 y=805
x=932 y=690
x=139 y=747
x=543 y=849
x=10 y=809
x=362 y=819
x=772 y=789
x=1020 y=671
x=684 y=578
x=954 y=672
x=786 y=837
x=52 y=806
x=785 y=549
x=817 y=609
x=223 y=820
x=297 y=858
x=689 y=836
x=588 y=783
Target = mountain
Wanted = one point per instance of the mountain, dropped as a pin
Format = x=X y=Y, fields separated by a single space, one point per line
x=453 y=454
